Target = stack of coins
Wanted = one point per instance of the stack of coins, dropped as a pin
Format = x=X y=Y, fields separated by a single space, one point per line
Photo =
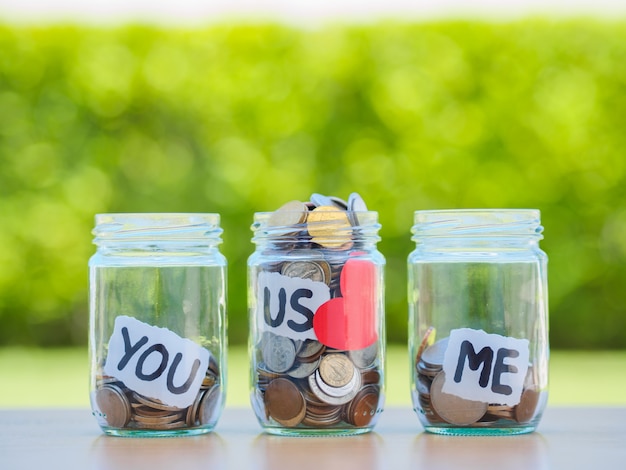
x=312 y=385
x=123 y=408
x=440 y=408
x=307 y=384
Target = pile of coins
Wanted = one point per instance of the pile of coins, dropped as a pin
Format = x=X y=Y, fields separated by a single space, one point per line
x=309 y=384
x=306 y=384
x=440 y=408
x=123 y=408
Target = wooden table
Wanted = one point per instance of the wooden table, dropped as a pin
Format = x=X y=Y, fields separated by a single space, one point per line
x=567 y=438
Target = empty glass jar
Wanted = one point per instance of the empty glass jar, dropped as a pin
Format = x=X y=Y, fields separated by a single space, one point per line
x=157 y=338
x=478 y=321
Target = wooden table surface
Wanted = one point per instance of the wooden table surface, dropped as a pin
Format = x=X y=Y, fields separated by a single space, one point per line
x=567 y=438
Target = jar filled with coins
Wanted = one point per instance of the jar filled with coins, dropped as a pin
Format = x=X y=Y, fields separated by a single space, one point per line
x=157 y=338
x=478 y=321
x=316 y=309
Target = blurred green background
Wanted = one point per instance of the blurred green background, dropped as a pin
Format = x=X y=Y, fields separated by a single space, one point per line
x=238 y=118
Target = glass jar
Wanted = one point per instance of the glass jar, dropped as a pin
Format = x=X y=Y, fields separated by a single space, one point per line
x=316 y=309
x=157 y=337
x=478 y=321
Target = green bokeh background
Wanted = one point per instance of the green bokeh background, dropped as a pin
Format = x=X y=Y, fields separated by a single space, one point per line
x=238 y=118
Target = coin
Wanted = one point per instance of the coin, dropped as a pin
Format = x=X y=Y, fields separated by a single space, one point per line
x=154 y=403
x=321 y=200
x=433 y=355
x=289 y=214
x=305 y=270
x=363 y=358
x=279 y=353
x=302 y=370
x=427 y=340
x=338 y=202
x=336 y=370
x=525 y=409
x=311 y=351
x=113 y=403
x=452 y=408
x=363 y=408
x=355 y=204
x=329 y=227
x=284 y=402
x=332 y=400
x=210 y=402
x=341 y=391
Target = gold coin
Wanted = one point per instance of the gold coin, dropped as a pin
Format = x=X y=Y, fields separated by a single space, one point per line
x=113 y=403
x=336 y=370
x=525 y=409
x=291 y=213
x=452 y=408
x=329 y=227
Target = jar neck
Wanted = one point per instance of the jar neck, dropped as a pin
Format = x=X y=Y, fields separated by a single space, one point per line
x=510 y=228
x=167 y=232
x=357 y=230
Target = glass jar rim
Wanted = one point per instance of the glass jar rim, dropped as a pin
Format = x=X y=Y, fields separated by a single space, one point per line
x=477 y=223
x=166 y=226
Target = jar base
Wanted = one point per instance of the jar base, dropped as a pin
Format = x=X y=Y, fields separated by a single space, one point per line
x=303 y=432
x=150 y=433
x=479 y=431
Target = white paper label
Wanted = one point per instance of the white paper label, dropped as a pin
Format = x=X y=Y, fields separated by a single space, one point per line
x=286 y=305
x=485 y=367
x=156 y=362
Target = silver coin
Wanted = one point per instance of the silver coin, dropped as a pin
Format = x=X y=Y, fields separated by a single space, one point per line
x=279 y=353
x=304 y=270
x=338 y=202
x=342 y=391
x=355 y=204
x=364 y=358
x=321 y=200
x=433 y=355
x=317 y=391
x=303 y=369
x=311 y=349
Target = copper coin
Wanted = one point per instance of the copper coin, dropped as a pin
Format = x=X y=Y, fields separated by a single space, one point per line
x=427 y=341
x=113 y=403
x=154 y=403
x=284 y=402
x=452 y=408
x=364 y=406
x=525 y=409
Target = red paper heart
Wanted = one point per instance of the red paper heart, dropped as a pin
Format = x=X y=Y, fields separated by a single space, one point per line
x=349 y=322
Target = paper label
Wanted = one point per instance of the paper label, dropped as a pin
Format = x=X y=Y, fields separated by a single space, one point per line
x=286 y=305
x=485 y=367
x=156 y=362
